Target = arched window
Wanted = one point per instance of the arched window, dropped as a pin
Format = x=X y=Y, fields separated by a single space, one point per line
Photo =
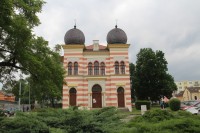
x=102 y=68
x=75 y=68
x=116 y=67
x=69 y=68
x=122 y=67
x=90 y=68
x=96 y=68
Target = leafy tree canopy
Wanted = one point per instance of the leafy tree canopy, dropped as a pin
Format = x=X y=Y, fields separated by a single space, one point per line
x=132 y=73
x=22 y=52
x=151 y=79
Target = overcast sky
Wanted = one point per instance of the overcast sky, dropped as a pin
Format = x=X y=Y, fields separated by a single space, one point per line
x=172 y=26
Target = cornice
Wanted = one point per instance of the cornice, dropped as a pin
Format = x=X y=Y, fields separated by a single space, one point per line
x=96 y=78
x=96 y=53
x=73 y=46
x=118 y=46
x=119 y=75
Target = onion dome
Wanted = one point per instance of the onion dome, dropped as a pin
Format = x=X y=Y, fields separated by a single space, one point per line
x=116 y=36
x=74 y=36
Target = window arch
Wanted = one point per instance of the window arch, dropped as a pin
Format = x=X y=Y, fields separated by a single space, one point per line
x=122 y=67
x=96 y=68
x=120 y=89
x=75 y=68
x=90 y=68
x=116 y=67
x=72 y=90
x=102 y=68
x=69 y=68
x=96 y=88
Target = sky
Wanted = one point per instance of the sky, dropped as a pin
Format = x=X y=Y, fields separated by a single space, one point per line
x=1 y=85
x=172 y=26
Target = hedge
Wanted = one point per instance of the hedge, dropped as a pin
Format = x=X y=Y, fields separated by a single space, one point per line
x=142 y=102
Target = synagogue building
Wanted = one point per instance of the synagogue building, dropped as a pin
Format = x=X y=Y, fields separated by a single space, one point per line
x=97 y=75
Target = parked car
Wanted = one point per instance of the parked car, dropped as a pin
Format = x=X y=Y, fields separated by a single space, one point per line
x=187 y=104
x=194 y=110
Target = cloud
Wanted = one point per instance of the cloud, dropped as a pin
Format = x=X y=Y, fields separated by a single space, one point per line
x=170 y=26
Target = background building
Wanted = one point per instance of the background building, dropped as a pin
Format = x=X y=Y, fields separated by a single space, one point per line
x=191 y=93
x=188 y=90
x=183 y=84
x=6 y=96
x=97 y=76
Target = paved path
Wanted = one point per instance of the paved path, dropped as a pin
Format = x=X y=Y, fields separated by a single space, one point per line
x=128 y=118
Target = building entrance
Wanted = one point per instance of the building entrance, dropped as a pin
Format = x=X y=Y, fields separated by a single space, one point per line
x=72 y=97
x=120 y=96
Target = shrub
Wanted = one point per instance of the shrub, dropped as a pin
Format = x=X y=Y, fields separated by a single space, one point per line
x=2 y=113
x=23 y=124
x=157 y=115
x=139 y=103
x=63 y=120
x=174 y=104
x=165 y=121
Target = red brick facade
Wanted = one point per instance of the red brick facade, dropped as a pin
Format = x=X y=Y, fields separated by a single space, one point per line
x=97 y=77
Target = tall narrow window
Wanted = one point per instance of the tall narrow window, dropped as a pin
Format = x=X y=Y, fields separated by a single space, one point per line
x=69 y=68
x=90 y=68
x=122 y=66
x=102 y=68
x=116 y=67
x=96 y=68
x=75 y=68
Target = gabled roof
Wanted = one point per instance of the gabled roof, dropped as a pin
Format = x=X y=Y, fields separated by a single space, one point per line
x=193 y=89
x=6 y=94
x=180 y=94
x=2 y=92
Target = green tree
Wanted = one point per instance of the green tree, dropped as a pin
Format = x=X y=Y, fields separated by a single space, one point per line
x=132 y=73
x=17 y=20
x=57 y=48
x=25 y=88
x=151 y=79
x=22 y=52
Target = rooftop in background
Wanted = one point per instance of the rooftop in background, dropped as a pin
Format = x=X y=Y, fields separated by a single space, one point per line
x=7 y=96
x=193 y=89
x=181 y=85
